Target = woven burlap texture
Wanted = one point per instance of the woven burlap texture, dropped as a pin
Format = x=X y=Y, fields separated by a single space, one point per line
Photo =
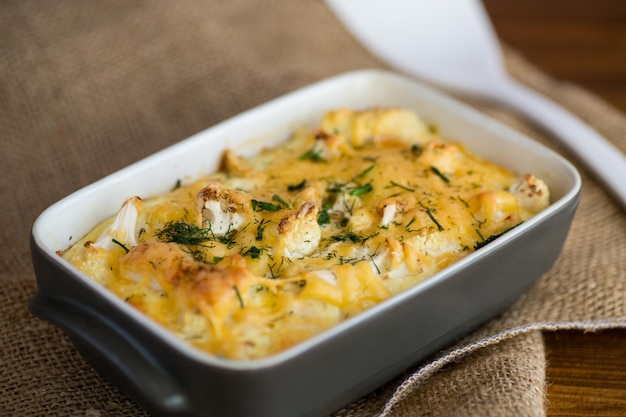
x=89 y=87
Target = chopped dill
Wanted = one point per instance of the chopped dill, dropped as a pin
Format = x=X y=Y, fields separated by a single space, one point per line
x=184 y=233
x=335 y=188
x=324 y=217
x=275 y=273
x=491 y=238
x=480 y=223
x=227 y=239
x=435 y=171
x=408 y=225
x=262 y=205
x=374 y=263
x=395 y=184
x=260 y=229
x=253 y=252
x=364 y=173
x=278 y=198
x=120 y=244
x=432 y=217
x=238 y=294
x=330 y=255
x=297 y=187
x=352 y=237
x=348 y=236
x=189 y=234
x=196 y=253
x=362 y=189
x=312 y=155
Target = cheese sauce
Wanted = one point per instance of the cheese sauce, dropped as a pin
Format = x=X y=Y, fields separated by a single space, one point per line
x=276 y=248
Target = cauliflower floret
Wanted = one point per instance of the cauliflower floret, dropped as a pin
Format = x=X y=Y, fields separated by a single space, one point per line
x=300 y=231
x=389 y=212
x=176 y=269
x=313 y=192
x=397 y=260
x=389 y=207
x=391 y=257
x=360 y=220
x=123 y=227
x=400 y=124
x=444 y=157
x=328 y=147
x=435 y=244
x=326 y=275
x=495 y=206
x=234 y=164
x=223 y=209
x=345 y=203
x=533 y=193
x=384 y=126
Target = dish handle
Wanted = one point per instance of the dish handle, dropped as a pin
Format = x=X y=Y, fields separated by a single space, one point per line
x=115 y=354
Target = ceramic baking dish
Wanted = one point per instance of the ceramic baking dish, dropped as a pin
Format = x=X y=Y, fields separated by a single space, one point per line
x=171 y=378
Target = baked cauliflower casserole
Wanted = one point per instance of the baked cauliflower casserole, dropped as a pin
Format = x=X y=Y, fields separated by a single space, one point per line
x=276 y=248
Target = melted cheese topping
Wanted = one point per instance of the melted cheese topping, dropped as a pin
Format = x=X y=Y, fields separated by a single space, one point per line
x=274 y=249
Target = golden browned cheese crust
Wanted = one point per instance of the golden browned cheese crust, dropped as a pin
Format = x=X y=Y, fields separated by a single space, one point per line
x=274 y=249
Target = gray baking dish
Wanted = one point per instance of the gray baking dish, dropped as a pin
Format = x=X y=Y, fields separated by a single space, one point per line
x=168 y=377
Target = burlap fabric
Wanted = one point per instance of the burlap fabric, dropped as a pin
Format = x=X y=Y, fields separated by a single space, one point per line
x=89 y=87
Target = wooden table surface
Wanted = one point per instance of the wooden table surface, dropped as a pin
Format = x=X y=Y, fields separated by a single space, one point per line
x=582 y=41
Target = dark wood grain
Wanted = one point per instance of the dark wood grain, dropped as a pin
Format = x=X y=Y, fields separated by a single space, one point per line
x=584 y=42
x=586 y=373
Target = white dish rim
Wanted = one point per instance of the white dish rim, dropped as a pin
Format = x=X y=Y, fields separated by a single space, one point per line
x=354 y=80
